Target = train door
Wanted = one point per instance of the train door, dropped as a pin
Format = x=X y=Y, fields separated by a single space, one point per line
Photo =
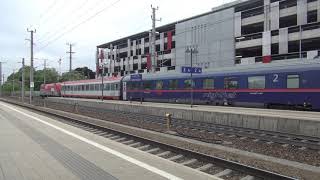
x=124 y=90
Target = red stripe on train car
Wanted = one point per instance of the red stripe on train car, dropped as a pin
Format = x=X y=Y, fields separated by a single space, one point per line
x=229 y=90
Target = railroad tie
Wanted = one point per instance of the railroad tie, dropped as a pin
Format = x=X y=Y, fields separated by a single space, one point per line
x=108 y=135
x=302 y=148
x=205 y=167
x=152 y=150
x=128 y=142
x=189 y=162
x=285 y=145
x=163 y=153
x=248 y=178
x=102 y=133
x=120 y=139
x=114 y=137
x=223 y=173
x=175 y=157
x=143 y=147
x=135 y=144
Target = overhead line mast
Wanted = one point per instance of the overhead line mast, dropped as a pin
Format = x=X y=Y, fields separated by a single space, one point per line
x=153 y=38
x=70 y=52
x=31 y=65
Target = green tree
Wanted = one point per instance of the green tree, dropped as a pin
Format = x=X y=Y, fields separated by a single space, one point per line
x=71 y=76
x=50 y=75
x=86 y=72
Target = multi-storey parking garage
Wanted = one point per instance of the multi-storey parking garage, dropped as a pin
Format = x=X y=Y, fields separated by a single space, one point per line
x=244 y=32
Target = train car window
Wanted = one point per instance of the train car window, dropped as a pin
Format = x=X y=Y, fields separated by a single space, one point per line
x=208 y=84
x=106 y=87
x=173 y=84
x=116 y=86
x=293 y=81
x=159 y=85
x=91 y=87
x=112 y=87
x=88 y=87
x=187 y=83
x=147 y=85
x=231 y=83
x=257 y=82
x=137 y=85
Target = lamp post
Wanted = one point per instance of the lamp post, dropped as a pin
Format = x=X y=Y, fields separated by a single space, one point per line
x=102 y=86
x=191 y=50
x=12 y=94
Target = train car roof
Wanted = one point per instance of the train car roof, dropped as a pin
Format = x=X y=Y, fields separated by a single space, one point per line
x=85 y=81
x=240 y=70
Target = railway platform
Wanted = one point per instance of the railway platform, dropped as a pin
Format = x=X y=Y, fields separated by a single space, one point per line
x=305 y=123
x=34 y=146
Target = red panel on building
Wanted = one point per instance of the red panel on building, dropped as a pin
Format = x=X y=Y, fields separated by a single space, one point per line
x=149 y=61
x=266 y=59
x=169 y=37
x=101 y=55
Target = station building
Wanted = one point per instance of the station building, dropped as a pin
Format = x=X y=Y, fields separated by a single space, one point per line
x=244 y=32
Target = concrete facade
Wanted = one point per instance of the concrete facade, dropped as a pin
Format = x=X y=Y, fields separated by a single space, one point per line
x=260 y=30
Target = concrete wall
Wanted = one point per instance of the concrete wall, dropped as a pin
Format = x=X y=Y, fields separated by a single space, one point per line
x=277 y=124
x=212 y=34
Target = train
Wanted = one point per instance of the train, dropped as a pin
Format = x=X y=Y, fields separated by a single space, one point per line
x=294 y=86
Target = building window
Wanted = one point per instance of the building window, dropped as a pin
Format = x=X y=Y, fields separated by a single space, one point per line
x=257 y=82
x=173 y=84
x=231 y=83
x=135 y=67
x=173 y=44
x=158 y=47
x=146 y=50
x=159 y=85
x=293 y=81
x=208 y=84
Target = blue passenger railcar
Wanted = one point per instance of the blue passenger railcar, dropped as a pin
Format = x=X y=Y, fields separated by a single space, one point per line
x=295 y=86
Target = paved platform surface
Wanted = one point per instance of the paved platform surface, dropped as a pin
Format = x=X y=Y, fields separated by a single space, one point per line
x=37 y=147
x=289 y=114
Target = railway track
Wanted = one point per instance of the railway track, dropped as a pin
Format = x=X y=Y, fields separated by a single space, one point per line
x=283 y=139
x=216 y=166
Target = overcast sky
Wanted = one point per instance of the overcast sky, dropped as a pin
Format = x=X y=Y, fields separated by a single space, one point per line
x=59 y=21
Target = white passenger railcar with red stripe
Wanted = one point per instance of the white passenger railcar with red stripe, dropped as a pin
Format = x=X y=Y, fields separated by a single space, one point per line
x=93 y=88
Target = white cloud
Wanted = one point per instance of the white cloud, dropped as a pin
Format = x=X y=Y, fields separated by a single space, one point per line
x=55 y=16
